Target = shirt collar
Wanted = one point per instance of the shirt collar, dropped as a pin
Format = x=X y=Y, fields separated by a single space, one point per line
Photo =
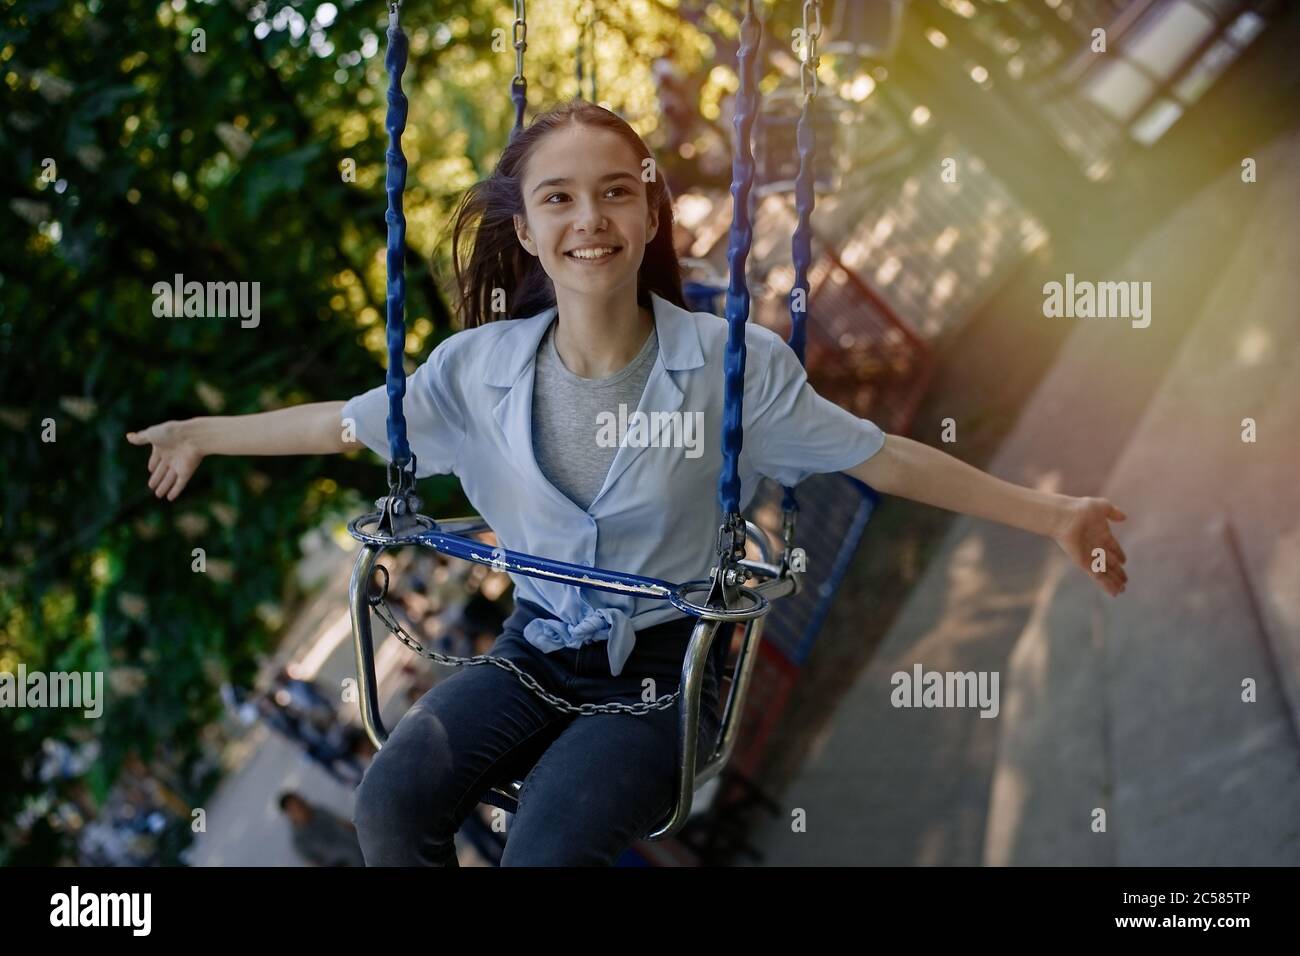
x=679 y=341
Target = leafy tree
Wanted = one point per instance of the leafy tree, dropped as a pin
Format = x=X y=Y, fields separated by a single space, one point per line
x=141 y=140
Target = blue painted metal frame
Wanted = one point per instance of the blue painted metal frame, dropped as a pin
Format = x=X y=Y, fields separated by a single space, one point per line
x=828 y=588
x=431 y=535
x=503 y=559
x=701 y=296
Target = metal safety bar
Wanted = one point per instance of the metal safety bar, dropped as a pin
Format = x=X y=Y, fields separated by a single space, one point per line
x=368 y=529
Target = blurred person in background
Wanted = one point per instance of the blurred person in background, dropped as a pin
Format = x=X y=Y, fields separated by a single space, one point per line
x=321 y=837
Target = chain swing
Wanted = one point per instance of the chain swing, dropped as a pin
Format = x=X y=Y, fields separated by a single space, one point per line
x=726 y=596
x=801 y=243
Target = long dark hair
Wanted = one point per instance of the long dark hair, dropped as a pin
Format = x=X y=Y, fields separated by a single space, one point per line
x=485 y=220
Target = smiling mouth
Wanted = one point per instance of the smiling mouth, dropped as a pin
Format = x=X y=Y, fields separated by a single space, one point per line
x=589 y=257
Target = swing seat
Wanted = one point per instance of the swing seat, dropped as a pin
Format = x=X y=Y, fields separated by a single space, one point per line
x=505 y=794
x=450 y=538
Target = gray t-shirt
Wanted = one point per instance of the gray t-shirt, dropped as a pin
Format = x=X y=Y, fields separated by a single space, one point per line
x=571 y=447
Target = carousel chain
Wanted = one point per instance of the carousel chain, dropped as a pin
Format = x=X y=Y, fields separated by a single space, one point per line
x=559 y=703
x=519 y=34
x=811 y=59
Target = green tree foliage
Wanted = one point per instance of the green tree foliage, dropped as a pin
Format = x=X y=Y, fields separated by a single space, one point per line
x=143 y=139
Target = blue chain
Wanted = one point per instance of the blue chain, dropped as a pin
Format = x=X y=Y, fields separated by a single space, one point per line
x=519 y=94
x=738 y=244
x=394 y=184
x=801 y=248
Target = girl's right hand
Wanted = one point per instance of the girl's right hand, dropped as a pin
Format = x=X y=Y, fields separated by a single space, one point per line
x=175 y=457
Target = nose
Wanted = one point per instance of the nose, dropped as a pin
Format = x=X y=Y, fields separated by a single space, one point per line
x=588 y=217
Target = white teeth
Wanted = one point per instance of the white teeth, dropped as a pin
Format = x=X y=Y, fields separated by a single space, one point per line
x=592 y=253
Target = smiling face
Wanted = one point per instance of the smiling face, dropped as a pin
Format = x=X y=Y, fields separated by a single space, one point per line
x=587 y=217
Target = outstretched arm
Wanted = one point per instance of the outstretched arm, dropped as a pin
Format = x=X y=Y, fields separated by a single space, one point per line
x=180 y=446
x=910 y=469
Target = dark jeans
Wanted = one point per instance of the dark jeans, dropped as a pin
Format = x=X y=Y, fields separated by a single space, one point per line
x=594 y=783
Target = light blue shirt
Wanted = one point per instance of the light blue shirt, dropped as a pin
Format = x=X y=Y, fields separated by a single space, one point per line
x=469 y=413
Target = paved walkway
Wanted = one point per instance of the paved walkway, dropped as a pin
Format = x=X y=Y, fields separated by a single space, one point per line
x=245 y=826
x=1130 y=705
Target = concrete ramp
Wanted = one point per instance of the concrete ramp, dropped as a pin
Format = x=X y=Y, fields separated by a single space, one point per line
x=1130 y=705
x=1134 y=705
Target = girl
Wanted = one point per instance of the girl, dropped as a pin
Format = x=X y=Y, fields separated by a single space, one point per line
x=538 y=416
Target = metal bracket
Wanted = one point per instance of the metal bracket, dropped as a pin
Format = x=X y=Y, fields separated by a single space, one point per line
x=399 y=510
x=728 y=576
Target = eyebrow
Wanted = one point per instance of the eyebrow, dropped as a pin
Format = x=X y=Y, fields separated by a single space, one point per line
x=560 y=181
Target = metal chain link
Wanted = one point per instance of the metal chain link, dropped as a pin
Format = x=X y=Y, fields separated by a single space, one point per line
x=559 y=703
x=810 y=60
x=580 y=19
x=519 y=33
x=585 y=16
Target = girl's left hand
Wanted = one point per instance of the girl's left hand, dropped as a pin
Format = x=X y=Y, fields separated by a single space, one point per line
x=1085 y=528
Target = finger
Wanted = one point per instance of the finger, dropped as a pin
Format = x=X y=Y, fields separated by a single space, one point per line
x=1114 y=513
x=1115 y=563
x=1107 y=575
x=165 y=485
x=157 y=478
x=1112 y=554
x=164 y=480
x=1108 y=582
x=154 y=458
x=174 y=486
x=1112 y=543
x=1120 y=578
x=1116 y=571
